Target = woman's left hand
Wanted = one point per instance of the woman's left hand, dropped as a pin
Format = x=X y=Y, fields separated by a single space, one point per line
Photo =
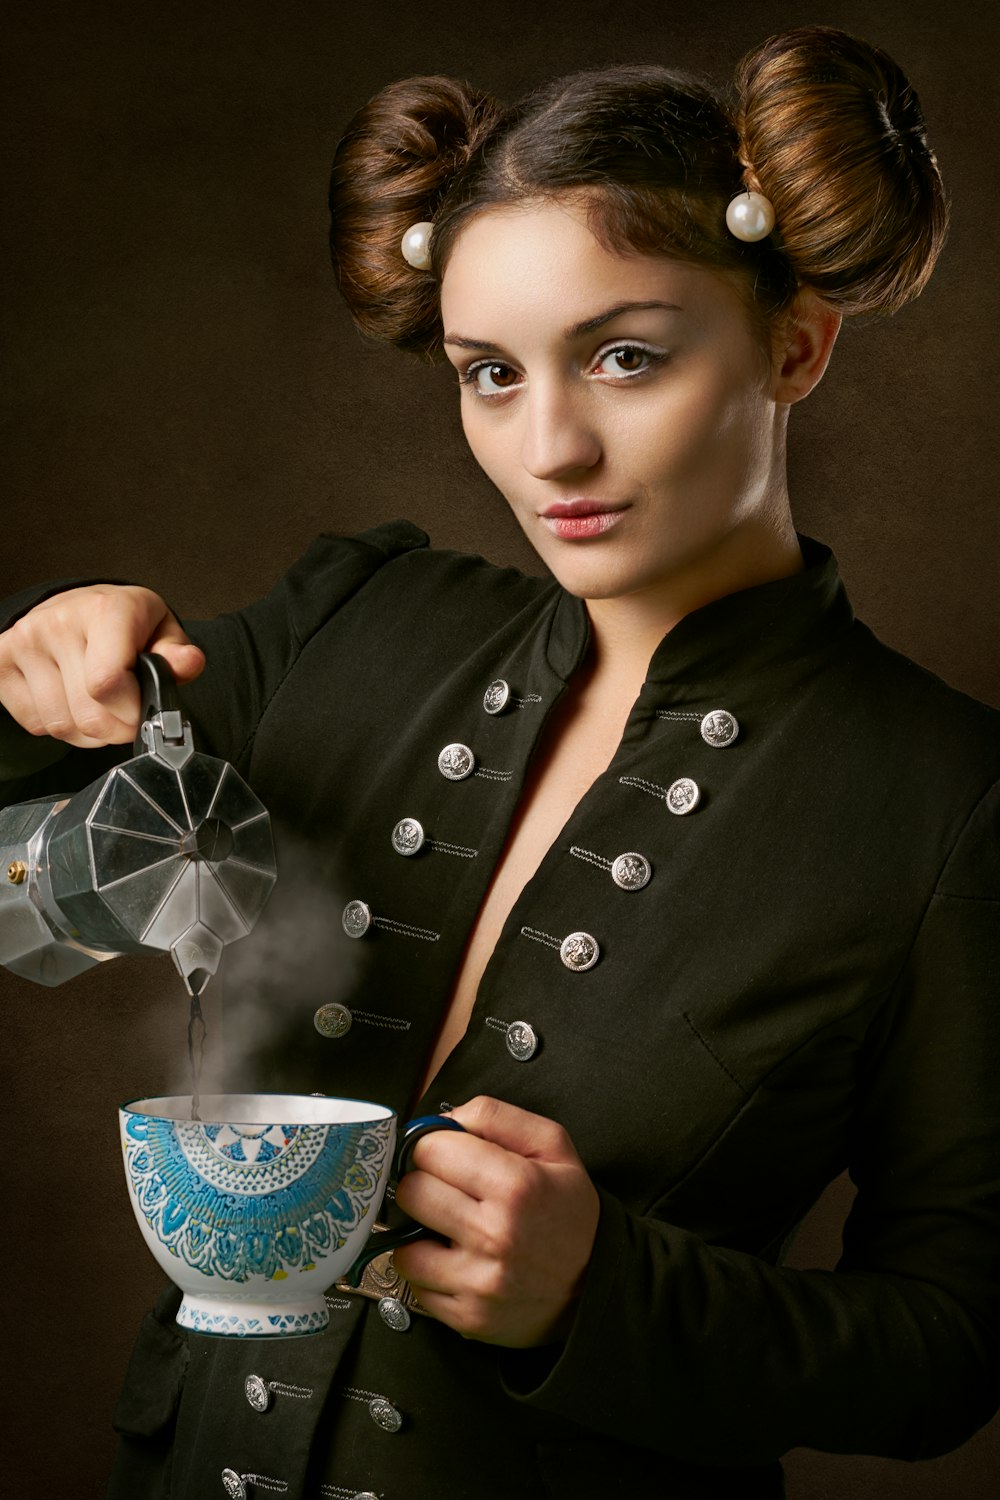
x=514 y=1201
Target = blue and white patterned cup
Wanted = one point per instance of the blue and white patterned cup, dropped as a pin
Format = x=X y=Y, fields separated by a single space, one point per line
x=259 y=1206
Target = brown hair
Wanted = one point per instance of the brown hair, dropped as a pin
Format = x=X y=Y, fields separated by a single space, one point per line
x=823 y=124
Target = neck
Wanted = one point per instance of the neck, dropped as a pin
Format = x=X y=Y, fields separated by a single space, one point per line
x=626 y=630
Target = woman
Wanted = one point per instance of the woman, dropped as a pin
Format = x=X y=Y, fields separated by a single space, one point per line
x=678 y=885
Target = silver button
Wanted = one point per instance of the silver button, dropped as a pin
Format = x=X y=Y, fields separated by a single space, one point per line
x=333 y=1020
x=522 y=1040
x=257 y=1392
x=384 y=1414
x=631 y=871
x=392 y=1312
x=579 y=951
x=456 y=762
x=407 y=836
x=233 y=1485
x=683 y=795
x=356 y=918
x=719 y=727
x=496 y=696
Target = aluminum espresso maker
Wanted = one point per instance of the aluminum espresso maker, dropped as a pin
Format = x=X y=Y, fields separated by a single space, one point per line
x=168 y=852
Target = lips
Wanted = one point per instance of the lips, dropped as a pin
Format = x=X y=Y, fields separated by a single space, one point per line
x=578 y=520
x=570 y=508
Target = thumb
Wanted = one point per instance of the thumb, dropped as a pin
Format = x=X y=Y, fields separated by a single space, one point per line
x=518 y=1130
x=183 y=657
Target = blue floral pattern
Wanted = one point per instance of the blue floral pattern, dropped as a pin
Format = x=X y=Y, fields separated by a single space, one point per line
x=242 y=1201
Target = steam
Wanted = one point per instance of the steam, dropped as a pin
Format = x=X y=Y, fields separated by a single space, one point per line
x=273 y=980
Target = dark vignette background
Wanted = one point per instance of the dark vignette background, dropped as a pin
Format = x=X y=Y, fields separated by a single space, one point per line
x=187 y=405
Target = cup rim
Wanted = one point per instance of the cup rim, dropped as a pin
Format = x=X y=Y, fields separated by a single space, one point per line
x=379 y=1111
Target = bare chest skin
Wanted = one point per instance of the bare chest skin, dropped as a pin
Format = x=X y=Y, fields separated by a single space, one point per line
x=580 y=740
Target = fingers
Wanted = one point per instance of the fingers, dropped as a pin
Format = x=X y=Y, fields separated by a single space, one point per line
x=185 y=659
x=528 y=1135
x=39 y=703
x=66 y=668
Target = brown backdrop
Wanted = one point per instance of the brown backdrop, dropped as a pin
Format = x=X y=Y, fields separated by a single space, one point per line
x=187 y=405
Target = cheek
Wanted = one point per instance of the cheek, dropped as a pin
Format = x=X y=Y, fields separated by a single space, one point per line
x=487 y=444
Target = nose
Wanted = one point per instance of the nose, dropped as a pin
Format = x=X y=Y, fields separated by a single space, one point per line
x=559 y=433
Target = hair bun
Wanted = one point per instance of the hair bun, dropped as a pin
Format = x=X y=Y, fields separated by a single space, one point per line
x=832 y=132
x=390 y=171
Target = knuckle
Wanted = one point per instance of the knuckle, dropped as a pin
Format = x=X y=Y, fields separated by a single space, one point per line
x=101 y=681
x=93 y=722
x=497 y=1237
x=494 y=1284
x=59 y=726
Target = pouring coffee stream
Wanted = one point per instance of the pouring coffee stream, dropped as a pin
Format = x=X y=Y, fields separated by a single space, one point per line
x=167 y=852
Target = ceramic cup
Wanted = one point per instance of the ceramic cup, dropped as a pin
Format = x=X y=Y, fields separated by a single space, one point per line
x=259 y=1206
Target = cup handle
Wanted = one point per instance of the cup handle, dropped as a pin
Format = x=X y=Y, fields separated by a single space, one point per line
x=391 y=1239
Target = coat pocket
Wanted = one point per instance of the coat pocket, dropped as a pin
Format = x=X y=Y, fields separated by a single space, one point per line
x=155 y=1374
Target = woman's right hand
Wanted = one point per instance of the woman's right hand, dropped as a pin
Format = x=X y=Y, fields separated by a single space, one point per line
x=66 y=667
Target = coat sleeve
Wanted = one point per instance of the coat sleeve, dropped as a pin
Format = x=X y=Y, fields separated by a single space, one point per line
x=248 y=654
x=897 y=1352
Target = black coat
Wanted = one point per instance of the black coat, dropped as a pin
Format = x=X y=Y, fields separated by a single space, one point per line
x=808 y=981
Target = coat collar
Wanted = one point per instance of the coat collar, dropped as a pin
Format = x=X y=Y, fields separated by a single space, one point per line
x=753 y=631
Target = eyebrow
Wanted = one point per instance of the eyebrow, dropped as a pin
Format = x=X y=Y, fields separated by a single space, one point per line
x=587 y=326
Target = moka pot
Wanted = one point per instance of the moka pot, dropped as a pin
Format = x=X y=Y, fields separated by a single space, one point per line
x=168 y=852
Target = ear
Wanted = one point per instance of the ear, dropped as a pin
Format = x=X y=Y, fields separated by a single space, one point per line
x=803 y=350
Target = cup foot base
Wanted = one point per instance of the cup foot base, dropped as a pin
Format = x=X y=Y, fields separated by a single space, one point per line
x=252 y=1320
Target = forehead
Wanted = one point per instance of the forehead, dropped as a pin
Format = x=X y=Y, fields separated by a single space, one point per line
x=539 y=265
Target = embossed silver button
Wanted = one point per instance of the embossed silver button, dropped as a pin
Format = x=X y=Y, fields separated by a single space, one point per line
x=408 y=836
x=522 y=1040
x=333 y=1020
x=384 y=1414
x=496 y=696
x=257 y=1392
x=356 y=918
x=233 y=1485
x=456 y=762
x=631 y=871
x=719 y=727
x=579 y=951
x=683 y=795
x=392 y=1312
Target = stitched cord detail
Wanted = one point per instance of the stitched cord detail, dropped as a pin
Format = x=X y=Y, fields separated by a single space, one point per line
x=458 y=849
x=343 y=1492
x=528 y=698
x=403 y=929
x=354 y=1394
x=641 y=785
x=541 y=937
x=277 y=1485
x=281 y=1389
x=391 y=1023
x=338 y=1304
x=676 y=713
x=591 y=858
x=488 y=775
x=497 y=1025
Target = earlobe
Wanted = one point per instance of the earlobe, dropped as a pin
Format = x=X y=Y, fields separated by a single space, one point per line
x=810 y=334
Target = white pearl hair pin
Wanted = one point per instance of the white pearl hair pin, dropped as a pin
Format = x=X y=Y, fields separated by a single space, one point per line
x=416 y=246
x=750 y=216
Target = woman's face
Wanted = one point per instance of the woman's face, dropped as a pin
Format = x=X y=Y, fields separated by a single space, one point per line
x=620 y=403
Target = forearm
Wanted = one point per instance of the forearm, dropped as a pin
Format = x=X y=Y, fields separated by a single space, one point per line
x=725 y=1359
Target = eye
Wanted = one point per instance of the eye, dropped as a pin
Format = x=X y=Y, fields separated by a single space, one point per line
x=627 y=360
x=490 y=377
